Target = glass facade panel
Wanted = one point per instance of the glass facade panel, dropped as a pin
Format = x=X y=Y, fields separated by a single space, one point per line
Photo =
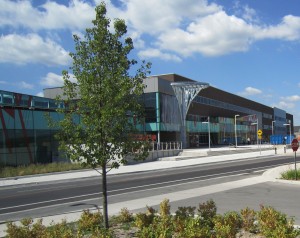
x=169 y=109
x=150 y=107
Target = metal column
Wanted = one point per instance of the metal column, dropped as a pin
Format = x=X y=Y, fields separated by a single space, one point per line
x=185 y=92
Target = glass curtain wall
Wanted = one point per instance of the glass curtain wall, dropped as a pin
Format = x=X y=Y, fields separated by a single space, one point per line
x=25 y=137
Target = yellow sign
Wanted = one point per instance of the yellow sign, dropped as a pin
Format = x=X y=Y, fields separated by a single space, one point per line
x=260 y=137
x=259 y=132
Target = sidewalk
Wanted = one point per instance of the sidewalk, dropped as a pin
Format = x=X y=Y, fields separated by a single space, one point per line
x=235 y=154
x=221 y=154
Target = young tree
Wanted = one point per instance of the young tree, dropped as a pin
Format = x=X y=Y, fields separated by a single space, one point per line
x=98 y=127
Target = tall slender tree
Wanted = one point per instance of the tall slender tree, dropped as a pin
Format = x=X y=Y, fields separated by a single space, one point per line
x=98 y=127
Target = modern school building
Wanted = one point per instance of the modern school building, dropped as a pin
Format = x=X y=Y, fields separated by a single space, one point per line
x=177 y=109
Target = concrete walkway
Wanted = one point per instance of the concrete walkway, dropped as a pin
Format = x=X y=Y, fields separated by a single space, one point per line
x=189 y=158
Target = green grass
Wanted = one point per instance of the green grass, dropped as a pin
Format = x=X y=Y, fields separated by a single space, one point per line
x=290 y=175
x=32 y=169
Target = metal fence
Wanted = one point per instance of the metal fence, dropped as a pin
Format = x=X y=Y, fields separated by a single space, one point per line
x=173 y=145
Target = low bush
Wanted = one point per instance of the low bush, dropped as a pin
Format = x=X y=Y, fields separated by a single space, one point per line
x=185 y=212
x=145 y=219
x=207 y=211
x=90 y=222
x=125 y=216
x=227 y=225
x=267 y=222
x=273 y=223
x=290 y=174
x=248 y=216
x=9 y=171
x=26 y=229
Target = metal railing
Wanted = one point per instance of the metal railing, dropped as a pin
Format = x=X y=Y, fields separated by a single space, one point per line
x=172 y=145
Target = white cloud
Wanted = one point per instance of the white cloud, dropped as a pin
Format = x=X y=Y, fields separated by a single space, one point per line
x=177 y=27
x=55 y=80
x=157 y=16
x=51 y=15
x=203 y=28
x=284 y=105
x=249 y=91
x=40 y=94
x=25 y=85
x=293 y=98
x=213 y=35
x=31 y=48
x=245 y=12
x=288 y=29
x=155 y=53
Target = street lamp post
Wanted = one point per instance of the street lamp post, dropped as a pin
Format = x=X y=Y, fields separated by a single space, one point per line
x=289 y=124
x=208 y=125
x=235 y=116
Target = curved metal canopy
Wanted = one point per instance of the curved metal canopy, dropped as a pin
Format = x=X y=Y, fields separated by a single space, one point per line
x=185 y=93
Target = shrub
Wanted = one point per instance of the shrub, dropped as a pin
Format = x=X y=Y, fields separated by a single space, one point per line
x=194 y=229
x=89 y=222
x=9 y=171
x=60 y=230
x=145 y=219
x=275 y=224
x=290 y=174
x=248 y=219
x=207 y=211
x=26 y=229
x=227 y=225
x=185 y=212
x=100 y=232
x=161 y=227
x=164 y=206
x=125 y=216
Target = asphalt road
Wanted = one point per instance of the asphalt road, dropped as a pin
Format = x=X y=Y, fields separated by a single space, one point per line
x=51 y=198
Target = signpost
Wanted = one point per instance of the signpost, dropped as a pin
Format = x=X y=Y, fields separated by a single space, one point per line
x=295 y=146
x=259 y=134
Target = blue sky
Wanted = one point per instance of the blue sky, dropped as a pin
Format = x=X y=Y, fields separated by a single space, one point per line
x=247 y=47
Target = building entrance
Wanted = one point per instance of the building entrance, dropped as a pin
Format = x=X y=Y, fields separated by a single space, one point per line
x=201 y=139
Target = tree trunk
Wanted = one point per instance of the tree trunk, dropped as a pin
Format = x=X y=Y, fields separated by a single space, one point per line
x=104 y=196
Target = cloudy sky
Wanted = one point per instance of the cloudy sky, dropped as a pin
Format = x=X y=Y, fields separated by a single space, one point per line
x=246 y=47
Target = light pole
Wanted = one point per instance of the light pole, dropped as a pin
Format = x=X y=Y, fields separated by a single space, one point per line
x=273 y=127
x=256 y=123
x=235 y=116
x=208 y=125
x=289 y=124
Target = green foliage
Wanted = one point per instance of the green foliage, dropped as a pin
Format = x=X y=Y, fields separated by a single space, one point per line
x=194 y=228
x=62 y=230
x=26 y=229
x=161 y=227
x=227 y=225
x=100 y=232
x=207 y=211
x=164 y=208
x=37 y=169
x=185 y=212
x=145 y=219
x=125 y=216
x=105 y=97
x=274 y=224
x=270 y=223
x=248 y=216
x=290 y=174
x=97 y=128
x=89 y=221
